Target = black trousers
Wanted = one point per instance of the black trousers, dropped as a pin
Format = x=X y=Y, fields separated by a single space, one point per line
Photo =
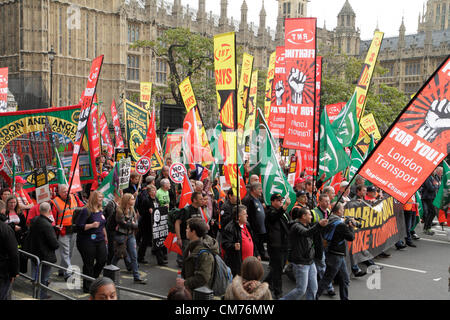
x=277 y=260
x=145 y=241
x=94 y=257
x=428 y=214
x=259 y=242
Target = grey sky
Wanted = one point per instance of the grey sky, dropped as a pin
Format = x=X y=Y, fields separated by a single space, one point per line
x=388 y=13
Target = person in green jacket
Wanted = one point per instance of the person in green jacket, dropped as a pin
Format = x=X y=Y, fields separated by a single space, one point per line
x=198 y=268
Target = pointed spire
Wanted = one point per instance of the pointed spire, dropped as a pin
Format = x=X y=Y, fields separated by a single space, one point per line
x=347 y=9
x=263 y=10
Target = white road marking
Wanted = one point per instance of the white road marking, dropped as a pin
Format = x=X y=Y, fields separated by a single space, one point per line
x=401 y=268
x=437 y=241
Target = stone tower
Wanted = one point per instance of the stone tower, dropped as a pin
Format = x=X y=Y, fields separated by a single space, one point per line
x=437 y=15
x=289 y=9
x=347 y=37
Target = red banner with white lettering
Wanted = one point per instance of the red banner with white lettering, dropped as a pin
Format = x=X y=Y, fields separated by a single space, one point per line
x=116 y=123
x=277 y=116
x=106 y=137
x=417 y=142
x=85 y=112
x=300 y=57
x=3 y=89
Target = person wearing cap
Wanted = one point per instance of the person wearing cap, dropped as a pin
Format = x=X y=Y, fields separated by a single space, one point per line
x=23 y=199
x=299 y=184
x=371 y=194
x=302 y=199
x=277 y=226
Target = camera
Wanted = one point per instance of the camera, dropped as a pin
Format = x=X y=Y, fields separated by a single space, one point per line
x=358 y=223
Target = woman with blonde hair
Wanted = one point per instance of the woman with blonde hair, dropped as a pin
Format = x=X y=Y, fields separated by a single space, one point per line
x=124 y=239
x=248 y=285
x=91 y=238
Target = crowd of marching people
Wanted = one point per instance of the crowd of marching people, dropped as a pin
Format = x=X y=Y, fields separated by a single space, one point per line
x=242 y=234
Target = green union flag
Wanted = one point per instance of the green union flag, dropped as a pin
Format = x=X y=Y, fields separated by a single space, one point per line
x=442 y=200
x=333 y=157
x=272 y=177
x=357 y=161
x=108 y=186
x=215 y=149
x=346 y=125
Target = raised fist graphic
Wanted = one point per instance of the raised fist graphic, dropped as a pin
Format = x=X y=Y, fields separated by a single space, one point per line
x=297 y=82
x=436 y=121
x=279 y=92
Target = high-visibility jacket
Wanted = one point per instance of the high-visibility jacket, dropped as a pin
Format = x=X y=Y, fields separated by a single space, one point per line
x=59 y=205
x=410 y=205
x=318 y=214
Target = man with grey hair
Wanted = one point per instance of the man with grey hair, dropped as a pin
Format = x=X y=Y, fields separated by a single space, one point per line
x=43 y=244
x=163 y=193
x=164 y=174
x=256 y=217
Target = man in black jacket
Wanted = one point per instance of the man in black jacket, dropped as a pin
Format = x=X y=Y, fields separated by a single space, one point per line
x=43 y=244
x=256 y=217
x=301 y=253
x=277 y=226
x=9 y=259
x=428 y=193
x=335 y=255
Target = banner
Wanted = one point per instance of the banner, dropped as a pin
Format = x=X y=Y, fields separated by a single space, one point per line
x=22 y=130
x=3 y=89
x=368 y=127
x=300 y=55
x=382 y=226
x=225 y=73
x=362 y=87
x=173 y=146
x=94 y=139
x=277 y=116
x=252 y=107
x=88 y=96
x=417 y=142
x=269 y=85
x=42 y=187
x=136 y=125
x=106 y=138
x=117 y=128
x=187 y=93
x=146 y=94
x=244 y=92
x=124 y=173
x=160 y=228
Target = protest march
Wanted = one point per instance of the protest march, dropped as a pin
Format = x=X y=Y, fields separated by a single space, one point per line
x=289 y=187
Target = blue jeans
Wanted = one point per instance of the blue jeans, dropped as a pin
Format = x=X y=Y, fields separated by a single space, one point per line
x=45 y=275
x=131 y=258
x=305 y=282
x=321 y=267
x=336 y=267
x=5 y=285
x=410 y=217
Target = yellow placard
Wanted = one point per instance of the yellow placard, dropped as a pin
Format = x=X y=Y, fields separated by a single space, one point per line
x=225 y=74
x=269 y=85
x=146 y=93
x=368 y=127
x=187 y=93
x=362 y=87
x=252 y=106
x=244 y=88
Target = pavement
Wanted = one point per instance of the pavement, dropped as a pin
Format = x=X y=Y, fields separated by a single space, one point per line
x=410 y=274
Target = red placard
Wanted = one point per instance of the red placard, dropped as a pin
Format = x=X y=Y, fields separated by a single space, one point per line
x=418 y=141
x=3 y=89
x=300 y=57
x=106 y=138
x=143 y=165
x=116 y=123
x=277 y=116
x=88 y=97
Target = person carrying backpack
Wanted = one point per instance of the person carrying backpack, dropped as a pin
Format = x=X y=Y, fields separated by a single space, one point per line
x=336 y=234
x=198 y=267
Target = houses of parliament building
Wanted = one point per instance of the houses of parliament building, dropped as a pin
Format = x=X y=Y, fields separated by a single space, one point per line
x=80 y=30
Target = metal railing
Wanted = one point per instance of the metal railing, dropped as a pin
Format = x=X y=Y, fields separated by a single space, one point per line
x=37 y=285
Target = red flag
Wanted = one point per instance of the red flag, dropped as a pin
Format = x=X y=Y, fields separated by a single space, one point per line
x=171 y=244
x=75 y=183
x=186 y=193
x=191 y=138
x=106 y=138
x=116 y=122
x=148 y=148
x=94 y=139
x=336 y=182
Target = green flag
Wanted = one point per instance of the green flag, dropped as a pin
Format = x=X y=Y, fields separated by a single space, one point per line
x=369 y=151
x=442 y=200
x=357 y=161
x=333 y=157
x=60 y=175
x=346 y=125
x=14 y=173
x=272 y=177
x=108 y=187
x=215 y=149
x=420 y=209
